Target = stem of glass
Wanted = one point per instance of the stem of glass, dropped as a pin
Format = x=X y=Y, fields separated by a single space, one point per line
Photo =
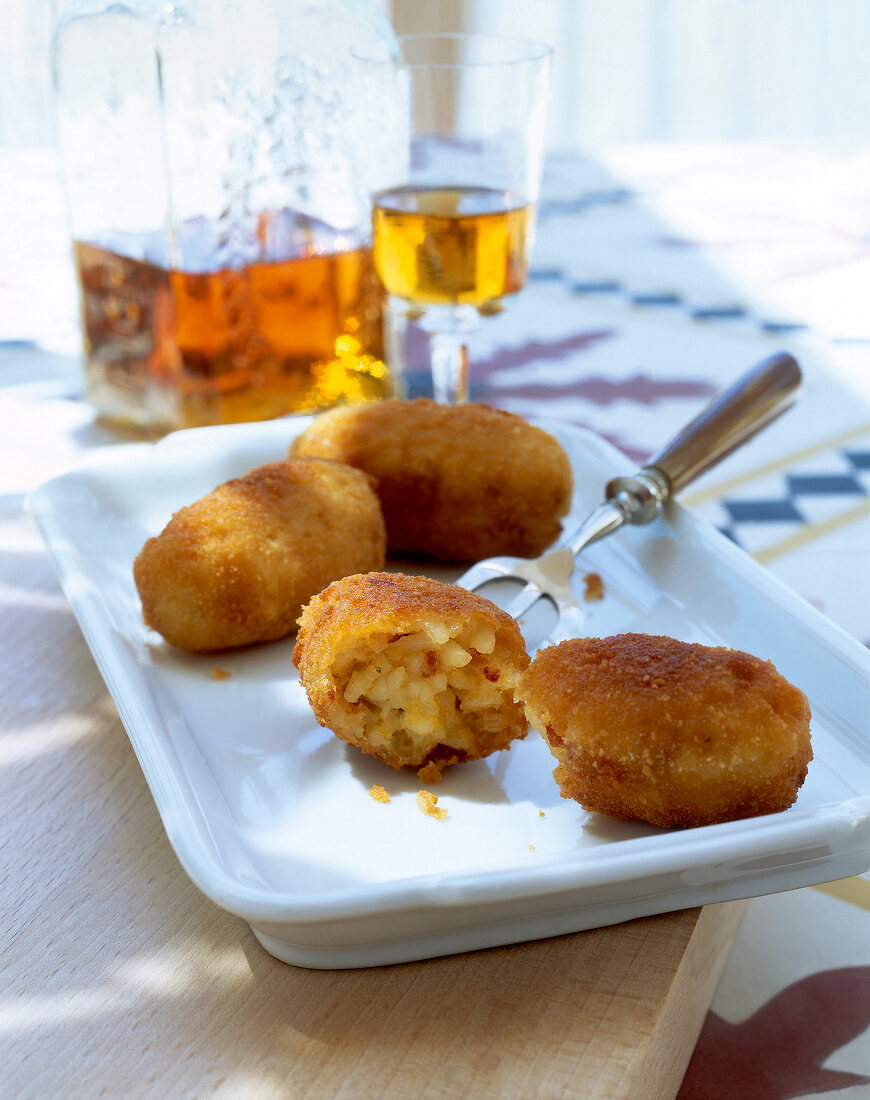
x=395 y=320
x=449 y=360
x=448 y=328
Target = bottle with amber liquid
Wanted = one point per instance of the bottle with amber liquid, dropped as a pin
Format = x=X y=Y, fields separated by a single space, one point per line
x=219 y=160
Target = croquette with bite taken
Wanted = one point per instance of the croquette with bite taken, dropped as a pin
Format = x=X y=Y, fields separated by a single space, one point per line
x=415 y=672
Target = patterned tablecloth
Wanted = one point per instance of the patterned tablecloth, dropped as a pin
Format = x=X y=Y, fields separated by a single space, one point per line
x=660 y=274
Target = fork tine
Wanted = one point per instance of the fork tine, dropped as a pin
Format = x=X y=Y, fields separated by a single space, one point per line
x=524 y=601
x=492 y=569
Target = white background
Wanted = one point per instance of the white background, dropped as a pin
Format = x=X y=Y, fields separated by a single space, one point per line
x=626 y=70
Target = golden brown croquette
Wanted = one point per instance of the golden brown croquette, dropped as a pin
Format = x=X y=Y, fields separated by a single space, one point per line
x=668 y=732
x=237 y=566
x=457 y=482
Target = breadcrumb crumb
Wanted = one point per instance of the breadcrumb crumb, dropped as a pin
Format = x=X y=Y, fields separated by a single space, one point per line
x=430 y=773
x=427 y=803
x=541 y=813
x=531 y=847
x=379 y=793
x=594 y=587
x=218 y=673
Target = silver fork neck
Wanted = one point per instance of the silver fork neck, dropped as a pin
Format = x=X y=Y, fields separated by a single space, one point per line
x=641 y=496
x=606 y=519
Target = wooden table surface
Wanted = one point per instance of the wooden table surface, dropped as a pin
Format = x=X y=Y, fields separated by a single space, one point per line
x=122 y=980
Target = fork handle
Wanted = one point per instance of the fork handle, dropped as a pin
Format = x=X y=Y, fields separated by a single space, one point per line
x=735 y=416
x=732 y=418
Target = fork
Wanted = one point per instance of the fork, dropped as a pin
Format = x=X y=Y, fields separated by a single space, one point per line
x=730 y=420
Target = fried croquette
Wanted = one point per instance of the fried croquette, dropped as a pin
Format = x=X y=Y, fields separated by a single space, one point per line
x=237 y=566
x=415 y=672
x=667 y=732
x=457 y=482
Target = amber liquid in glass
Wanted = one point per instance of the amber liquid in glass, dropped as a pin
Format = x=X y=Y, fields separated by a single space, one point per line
x=451 y=245
x=176 y=348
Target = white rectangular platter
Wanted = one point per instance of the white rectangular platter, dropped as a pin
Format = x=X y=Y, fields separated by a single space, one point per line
x=270 y=814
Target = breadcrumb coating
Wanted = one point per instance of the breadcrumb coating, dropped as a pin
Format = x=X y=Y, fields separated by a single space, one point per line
x=235 y=567
x=457 y=482
x=415 y=672
x=668 y=732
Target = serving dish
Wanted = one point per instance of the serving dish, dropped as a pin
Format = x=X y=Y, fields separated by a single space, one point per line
x=271 y=816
